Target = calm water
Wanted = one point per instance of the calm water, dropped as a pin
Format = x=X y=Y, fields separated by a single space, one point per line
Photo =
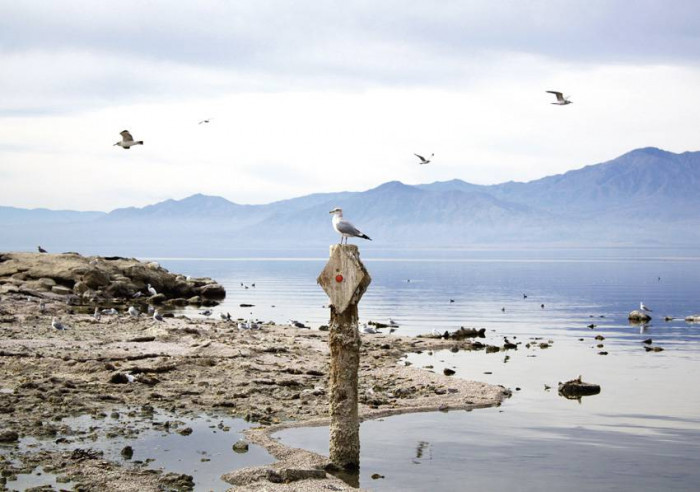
x=643 y=430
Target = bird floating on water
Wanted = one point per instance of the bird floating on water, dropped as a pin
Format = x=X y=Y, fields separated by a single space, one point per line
x=423 y=160
x=127 y=140
x=561 y=99
x=41 y=250
x=644 y=308
x=345 y=228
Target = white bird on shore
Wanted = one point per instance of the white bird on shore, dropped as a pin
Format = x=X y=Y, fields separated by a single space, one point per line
x=423 y=160
x=56 y=324
x=97 y=314
x=561 y=100
x=206 y=312
x=151 y=290
x=127 y=140
x=392 y=323
x=297 y=324
x=243 y=325
x=157 y=316
x=345 y=228
x=644 y=308
x=133 y=312
x=225 y=316
x=137 y=295
x=42 y=307
x=110 y=311
x=369 y=330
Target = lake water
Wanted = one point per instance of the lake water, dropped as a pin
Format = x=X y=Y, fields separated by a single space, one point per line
x=641 y=432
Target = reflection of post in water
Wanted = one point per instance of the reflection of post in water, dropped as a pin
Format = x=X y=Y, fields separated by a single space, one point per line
x=345 y=280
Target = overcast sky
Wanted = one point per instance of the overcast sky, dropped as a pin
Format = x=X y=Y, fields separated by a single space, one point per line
x=319 y=96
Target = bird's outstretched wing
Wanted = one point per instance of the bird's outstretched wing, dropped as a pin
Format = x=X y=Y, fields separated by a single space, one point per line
x=560 y=96
x=126 y=136
x=420 y=157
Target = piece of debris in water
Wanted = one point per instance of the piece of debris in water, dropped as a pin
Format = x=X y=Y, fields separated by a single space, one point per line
x=576 y=388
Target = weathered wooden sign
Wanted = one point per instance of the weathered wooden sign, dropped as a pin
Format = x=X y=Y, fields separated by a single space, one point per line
x=344 y=279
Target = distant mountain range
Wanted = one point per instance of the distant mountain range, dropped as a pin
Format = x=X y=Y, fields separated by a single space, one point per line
x=647 y=196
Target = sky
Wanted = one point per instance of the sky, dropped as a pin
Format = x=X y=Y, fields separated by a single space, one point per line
x=324 y=96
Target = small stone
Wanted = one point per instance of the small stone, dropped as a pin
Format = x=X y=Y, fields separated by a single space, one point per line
x=240 y=447
x=448 y=372
x=186 y=431
x=128 y=452
x=377 y=476
x=8 y=436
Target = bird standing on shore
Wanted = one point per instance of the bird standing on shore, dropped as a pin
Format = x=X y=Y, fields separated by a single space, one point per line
x=345 y=228
x=151 y=290
x=97 y=314
x=644 y=308
x=127 y=140
x=561 y=100
x=41 y=250
x=56 y=324
x=133 y=312
x=157 y=316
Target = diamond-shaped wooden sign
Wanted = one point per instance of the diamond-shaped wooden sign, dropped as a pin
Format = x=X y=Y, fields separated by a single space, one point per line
x=344 y=278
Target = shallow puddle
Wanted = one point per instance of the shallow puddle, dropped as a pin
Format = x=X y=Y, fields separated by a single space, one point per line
x=200 y=446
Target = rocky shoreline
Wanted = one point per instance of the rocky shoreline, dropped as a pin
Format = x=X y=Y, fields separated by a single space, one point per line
x=275 y=377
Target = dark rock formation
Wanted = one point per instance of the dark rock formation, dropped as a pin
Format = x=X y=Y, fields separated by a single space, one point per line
x=576 y=388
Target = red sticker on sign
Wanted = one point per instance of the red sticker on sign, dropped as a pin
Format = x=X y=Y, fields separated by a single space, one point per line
x=338 y=278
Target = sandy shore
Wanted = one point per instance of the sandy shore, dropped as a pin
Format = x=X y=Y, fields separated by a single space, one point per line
x=275 y=377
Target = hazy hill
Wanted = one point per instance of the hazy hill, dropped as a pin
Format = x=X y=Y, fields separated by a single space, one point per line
x=645 y=195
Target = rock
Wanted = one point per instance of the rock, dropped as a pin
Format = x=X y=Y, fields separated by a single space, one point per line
x=653 y=349
x=463 y=333
x=287 y=475
x=377 y=476
x=448 y=372
x=695 y=318
x=212 y=291
x=576 y=388
x=127 y=452
x=240 y=447
x=61 y=290
x=638 y=316
x=194 y=300
x=185 y=432
x=80 y=288
x=157 y=299
x=119 y=378
x=8 y=436
x=96 y=278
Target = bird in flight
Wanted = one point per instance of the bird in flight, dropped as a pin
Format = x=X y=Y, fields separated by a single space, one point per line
x=127 y=140
x=643 y=307
x=561 y=100
x=423 y=160
x=204 y=121
x=345 y=228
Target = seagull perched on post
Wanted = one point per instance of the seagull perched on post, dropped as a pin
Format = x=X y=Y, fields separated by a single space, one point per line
x=561 y=100
x=643 y=307
x=127 y=140
x=345 y=228
x=423 y=160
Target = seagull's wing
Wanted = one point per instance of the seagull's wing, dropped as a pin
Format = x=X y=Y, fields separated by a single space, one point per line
x=345 y=227
x=560 y=96
x=420 y=157
x=127 y=136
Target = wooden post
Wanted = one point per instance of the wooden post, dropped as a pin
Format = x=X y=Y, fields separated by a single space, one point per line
x=345 y=280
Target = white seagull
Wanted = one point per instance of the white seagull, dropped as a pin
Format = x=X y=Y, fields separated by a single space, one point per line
x=643 y=307
x=561 y=99
x=345 y=228
x=56 y=324
x=133 y=312
x=423 y=160
x=151 y=290
x=157 y=316
x=127 y=140
x=369 y=330
x=97 y=315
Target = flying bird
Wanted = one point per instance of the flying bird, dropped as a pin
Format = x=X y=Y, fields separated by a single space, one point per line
x=41 y=250
x=561 y=100
x=423 y=160
x=204 y=121
x=127 y=141
x=345 y=228
x=643 y=307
